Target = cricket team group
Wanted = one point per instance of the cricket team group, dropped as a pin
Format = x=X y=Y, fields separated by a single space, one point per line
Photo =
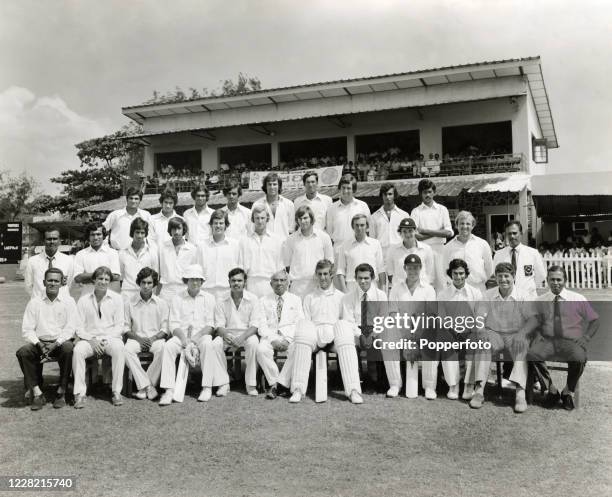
x=289 y=279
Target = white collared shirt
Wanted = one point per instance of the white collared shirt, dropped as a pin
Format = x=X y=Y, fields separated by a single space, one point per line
x=323 y=307
x=339 y=217
x=247 y=314
x=50 y=320
x=35 y=272
x=351 y=302
x=319 y=204
x=261 y=255
x=197 y=224
x=395 y=262
x=146 y=318
x=118 y=223
x=476 y=252
x=530 y=268
x=301 y=253
x=456 y=302
x=283 y=223
x=291 y=314
x=574 y=309
x=239 y=222
x=192 y=314
x=422 y=293
x=105 y=319
x=158 y=228
x=130 y=264
x=88 y=260
x=218 y=259
x=505 y=314
x=384 y=229
x=432 y=218
x=352 y=253
x=172 y=266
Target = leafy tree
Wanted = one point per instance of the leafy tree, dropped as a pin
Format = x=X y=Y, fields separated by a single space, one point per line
x=15 y=193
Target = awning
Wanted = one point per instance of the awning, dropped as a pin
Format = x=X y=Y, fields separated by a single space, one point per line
x=447 y=186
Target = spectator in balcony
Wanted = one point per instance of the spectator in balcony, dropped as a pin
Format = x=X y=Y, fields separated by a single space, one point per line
x=118 y=222
x=239 y=216
x=318 y=202
x=280 y=209
x=198 y=216
x=158 y=228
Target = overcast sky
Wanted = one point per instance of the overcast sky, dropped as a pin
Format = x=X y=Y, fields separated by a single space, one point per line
x=69 y=66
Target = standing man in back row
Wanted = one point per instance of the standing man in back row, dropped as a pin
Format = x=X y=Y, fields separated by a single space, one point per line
x=118 y=222
x=318 y=202
x=386 y=220
x=198 y=216
x=434 y=226
x=279 y=208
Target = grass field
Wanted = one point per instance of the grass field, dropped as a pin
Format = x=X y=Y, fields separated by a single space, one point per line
x=241 y=446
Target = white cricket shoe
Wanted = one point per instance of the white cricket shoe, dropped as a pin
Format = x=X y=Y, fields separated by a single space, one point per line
x=205 y=395
x=296 y=397
x=453 y=392
x=393 y=392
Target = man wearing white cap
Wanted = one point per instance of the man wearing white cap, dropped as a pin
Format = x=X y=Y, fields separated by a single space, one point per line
x=237 y=319
x=191 y=321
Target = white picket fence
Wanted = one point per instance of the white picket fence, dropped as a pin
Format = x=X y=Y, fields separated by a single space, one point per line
x=584 y=271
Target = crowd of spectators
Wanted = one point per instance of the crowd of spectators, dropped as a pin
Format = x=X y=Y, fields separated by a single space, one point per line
x=588 y=244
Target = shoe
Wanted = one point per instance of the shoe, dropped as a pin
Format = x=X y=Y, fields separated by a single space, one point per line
x=205 y=395
x=393 y=392
x=506 y=383
x=27 y=396
x=223 y=390
x=166 y=398
x=272 y=393
x=430 y=394
x=282 y=391
x=252 y=391
x=79 y=401
x=477 y=400
x=151 y=392
x=141 y=394
x=520 y=404
x=356 y=397
x=568 y=402
x=468 y=391
x=552 y=400
x=38 y=401
x=60 y=401
x=117 y=399
x=453 y=392
x=296 y=397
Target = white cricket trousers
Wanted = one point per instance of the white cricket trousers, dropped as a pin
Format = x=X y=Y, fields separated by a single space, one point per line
x=309 y=337
x=170 y=351
x=265 y=358
x=151 y=376
x=214 y=363
x=82 y=350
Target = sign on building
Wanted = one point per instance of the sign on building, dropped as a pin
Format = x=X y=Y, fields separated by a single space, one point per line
x=292 y=180
x=10 y=243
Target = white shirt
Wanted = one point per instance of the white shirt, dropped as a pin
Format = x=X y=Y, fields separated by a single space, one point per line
x=432 y=218
x=301 y=253
x=323 y=307
x=291 y=313
x=384 y=229
x=48 y=320
x=118 y=223
x=88 y=260
x=218 y=259
x=339 y=217
x=35 y=272
x=240 y=222
x=261 y=255
x=158 y=228
x=505 y=315
x=104 y=320
x=422 y=293
x=146 y=319
x=192 y=314
x=352 y=253
x=172 y=266
x=247 y=314
x=283 y=223
x=130 y=264
x=319 y=204
x=530 y=268
x=456 y=302
x=351 y=302
x=197 y=224
x=476 y=252
x=395 y=262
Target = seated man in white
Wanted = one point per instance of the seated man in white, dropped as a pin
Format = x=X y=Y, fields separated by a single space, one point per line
x=102 y=316
x=509 y=319
x=323 y=326
x=281 y=312
x=237 y=319
x=458 y=299
x=413 y=296
x=146 y=329
x=191 y=321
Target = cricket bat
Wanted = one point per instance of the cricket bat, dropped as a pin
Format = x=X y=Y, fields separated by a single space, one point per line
x=181 y=379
